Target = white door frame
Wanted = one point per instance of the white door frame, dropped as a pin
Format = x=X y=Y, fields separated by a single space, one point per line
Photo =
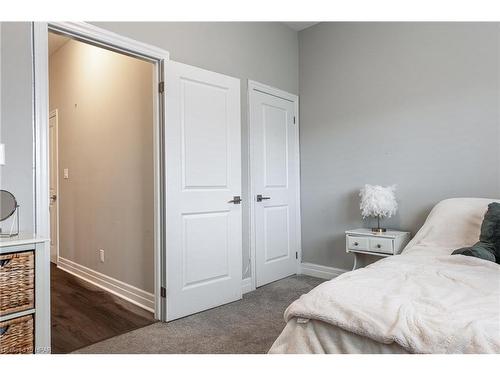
x=260 y=87
x=109 y=40
x=55 y=113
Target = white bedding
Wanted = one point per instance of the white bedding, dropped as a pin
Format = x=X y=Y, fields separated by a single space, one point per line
x=423 y=301
x=317 y=337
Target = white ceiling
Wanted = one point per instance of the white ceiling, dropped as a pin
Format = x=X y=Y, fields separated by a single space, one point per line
x=298 y=26
x=56 y=41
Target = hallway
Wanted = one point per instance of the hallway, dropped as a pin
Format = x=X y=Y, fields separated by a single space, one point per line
x=83 y=314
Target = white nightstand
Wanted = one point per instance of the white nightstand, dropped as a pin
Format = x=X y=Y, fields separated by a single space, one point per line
x=364 y=241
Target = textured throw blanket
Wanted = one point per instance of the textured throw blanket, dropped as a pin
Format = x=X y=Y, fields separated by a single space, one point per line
x=426 y=304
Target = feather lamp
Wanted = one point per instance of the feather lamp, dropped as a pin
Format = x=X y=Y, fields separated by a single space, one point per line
x=378 y=201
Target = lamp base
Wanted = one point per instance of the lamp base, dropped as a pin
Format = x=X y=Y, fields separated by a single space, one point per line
x=379 y=230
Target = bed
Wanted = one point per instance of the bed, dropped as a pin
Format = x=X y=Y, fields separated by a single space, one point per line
x=422 y=301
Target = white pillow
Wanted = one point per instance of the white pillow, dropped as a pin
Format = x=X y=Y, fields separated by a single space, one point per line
x=452 y=224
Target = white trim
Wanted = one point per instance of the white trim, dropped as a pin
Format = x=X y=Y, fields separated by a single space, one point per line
x=15 y=315
x=254 y=85
x=249 y=199
x=299 y=202
x=41 y=127
x=42 y=297
x=123 y=290
x=323 y=272
x=55 y=113
x=109 y=40
x=246 y=285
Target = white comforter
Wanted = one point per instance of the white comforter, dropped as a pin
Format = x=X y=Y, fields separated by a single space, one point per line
x=444 y=304
x=425 y=300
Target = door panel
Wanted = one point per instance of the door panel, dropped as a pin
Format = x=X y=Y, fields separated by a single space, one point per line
x=204 y=241
x=274 y=144
x=205 y=129
x=276 y=233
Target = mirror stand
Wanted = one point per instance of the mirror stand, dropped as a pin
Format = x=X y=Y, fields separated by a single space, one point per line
x=15 y=222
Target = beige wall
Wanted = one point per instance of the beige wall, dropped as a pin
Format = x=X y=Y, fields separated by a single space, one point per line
x=104 y=101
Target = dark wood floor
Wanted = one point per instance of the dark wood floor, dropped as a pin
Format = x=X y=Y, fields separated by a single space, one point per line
x=83 y=314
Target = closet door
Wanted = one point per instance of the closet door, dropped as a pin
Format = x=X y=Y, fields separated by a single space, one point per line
x=275 y=176
x=203 y=169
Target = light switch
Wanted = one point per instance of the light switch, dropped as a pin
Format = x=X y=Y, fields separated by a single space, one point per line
x=66 y=173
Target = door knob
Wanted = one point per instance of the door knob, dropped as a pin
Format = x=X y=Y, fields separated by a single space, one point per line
x=236 y=200
x=261 y=198
x=53 y=197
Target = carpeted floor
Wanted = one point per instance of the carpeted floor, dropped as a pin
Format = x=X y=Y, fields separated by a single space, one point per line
x=247 y=326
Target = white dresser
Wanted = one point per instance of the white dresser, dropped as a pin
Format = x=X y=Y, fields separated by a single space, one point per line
x=364 y=241
x=24 y=294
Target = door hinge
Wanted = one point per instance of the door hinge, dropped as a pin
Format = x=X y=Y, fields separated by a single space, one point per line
x=296 y=255
x=294 y=119
x=163 y=292
x=161 y=87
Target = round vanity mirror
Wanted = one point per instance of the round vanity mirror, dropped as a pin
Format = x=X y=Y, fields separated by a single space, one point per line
x=8 y=204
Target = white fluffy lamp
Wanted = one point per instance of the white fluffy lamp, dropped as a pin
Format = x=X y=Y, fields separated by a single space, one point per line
x=378 y=201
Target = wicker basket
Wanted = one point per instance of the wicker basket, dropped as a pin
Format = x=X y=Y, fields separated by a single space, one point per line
x=17 y=280
x=16 y=336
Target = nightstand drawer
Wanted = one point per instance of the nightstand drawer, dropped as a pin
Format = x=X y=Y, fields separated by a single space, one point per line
x=357 y=243
x=382 y=245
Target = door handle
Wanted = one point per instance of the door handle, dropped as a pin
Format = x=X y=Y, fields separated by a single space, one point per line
x=236 y=200
x=261 y=198
x=53 y=197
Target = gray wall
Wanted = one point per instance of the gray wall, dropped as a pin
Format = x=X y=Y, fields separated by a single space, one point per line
x=16 y=126
x=262 y=51
x=412 y=104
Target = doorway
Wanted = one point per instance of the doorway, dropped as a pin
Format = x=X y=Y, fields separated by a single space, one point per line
x=204 y=245
x=102 y=194
x=275 y=183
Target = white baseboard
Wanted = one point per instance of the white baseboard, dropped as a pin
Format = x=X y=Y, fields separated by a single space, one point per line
x=323 y=272
x=246 y=285
x=128 y=292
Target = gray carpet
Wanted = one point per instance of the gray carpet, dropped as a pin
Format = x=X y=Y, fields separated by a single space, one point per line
x=247 y=326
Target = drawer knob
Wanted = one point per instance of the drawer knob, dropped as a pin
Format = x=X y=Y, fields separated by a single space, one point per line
x=356 y=244
x=379 y=246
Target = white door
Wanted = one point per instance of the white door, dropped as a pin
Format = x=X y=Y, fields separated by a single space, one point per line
x=54 y=228
x=275 y=176
x=203 y=169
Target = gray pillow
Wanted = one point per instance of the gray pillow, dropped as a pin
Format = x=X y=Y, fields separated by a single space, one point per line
x=488 y=247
